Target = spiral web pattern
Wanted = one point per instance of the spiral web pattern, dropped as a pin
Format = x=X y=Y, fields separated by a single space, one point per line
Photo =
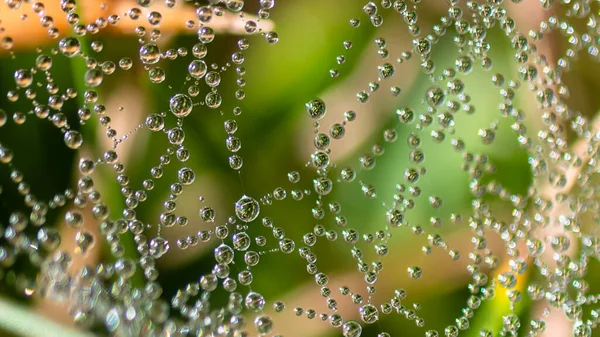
x=532 y=243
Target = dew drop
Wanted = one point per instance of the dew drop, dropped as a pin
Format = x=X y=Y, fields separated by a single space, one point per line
x=180 y=105
x=197 y=68
x=23 y=78
x=247 y=209
x=435 y=97
x=351 y=329
x=186 y=176
x=254 y=301
x=369 y=313
x=157 y=75
x=272 y=37
x=155 y=122
x=158 y=247
x=93 y=77
x=213 y=100
x=316 y=109
x=149 y=53
x=224 y=254
x=264 y=324
x=73 y=139
x=414 y=272
x=69 y=46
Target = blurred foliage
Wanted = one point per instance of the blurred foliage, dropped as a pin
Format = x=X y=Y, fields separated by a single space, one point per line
x=280 y=79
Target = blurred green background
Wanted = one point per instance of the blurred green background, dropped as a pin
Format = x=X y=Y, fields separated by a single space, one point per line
x=276 y=138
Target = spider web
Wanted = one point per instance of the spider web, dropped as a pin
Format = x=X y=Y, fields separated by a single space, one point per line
x=446 y=139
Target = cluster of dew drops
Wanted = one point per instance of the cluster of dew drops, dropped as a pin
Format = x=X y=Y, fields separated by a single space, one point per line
x=105 y=293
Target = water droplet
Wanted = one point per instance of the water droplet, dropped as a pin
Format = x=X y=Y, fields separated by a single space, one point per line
x=247 y=209
x=254 y=301
x=155 y=122
x=158 y=247
x=73 y=139
x=369 y=313
x=272 y=37
x=93 y=77
x=316 y=109
x=386 y=70
x=23 y=78
x=351 y=329
x=186 y=176
x=435 y=97
x=264 y=324
x=415 y=272
x=157 y=75
x=213 y=100
x=224 y=254
x=197 y=68
x=213 y=79
x=69 y=46
x=149 y=53
x=180 y=105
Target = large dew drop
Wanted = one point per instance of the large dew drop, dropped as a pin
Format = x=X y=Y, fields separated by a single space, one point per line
x=323 y=185
x=159 y=247
x=264 y=324
x=93 y=77
x=23 y=78
x=149 y=53
x=155 y=122
x=247 y=209
x=181 y=105
x=254 y=301
x=224 y=254
x=213 y=100
x=369 y=313
x=69 y=46
x=435 y=97
x=197 y=68
x=351 y=329
x=316 y=109
x=415 y=272
x=186 y=176
x=73 y=139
